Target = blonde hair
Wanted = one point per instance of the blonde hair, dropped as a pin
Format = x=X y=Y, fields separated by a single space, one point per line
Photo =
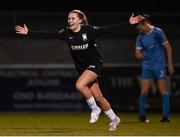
x=81 y=16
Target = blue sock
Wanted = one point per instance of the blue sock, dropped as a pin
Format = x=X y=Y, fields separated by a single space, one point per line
x=142 y=104
x=166 y=106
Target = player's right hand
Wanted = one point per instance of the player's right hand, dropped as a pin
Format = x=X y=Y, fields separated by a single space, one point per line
x=21 y=30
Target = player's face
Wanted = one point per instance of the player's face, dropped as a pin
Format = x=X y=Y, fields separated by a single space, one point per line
x=140 y=27
x=73 y=21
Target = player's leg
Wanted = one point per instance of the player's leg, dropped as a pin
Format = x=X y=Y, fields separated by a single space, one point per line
x=105 y=106
x=162 y=86
x=145 y=85
x=99 y=97
x=82 y=85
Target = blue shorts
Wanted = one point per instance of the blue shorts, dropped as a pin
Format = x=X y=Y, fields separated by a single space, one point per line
x=156 y=74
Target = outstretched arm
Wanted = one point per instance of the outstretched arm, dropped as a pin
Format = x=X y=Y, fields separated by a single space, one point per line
x=41 y=34
x=115 y=27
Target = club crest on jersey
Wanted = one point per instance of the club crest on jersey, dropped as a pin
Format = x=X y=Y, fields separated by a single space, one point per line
x=84 y=36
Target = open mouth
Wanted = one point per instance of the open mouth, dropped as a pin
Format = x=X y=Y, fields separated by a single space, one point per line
x=70 y=25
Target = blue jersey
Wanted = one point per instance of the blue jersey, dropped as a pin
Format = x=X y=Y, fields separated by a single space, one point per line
x=152 y=46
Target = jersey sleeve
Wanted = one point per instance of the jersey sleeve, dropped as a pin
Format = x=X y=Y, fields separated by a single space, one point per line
x=98 y=30
x=139 y=44
x=44 y=34
x=162 y=37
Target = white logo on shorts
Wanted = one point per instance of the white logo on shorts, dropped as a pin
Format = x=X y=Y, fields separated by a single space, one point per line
x=91 y=66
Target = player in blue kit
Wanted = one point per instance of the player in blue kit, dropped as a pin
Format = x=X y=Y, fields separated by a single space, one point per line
x=153 y=47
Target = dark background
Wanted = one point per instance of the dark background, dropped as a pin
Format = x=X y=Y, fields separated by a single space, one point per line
x=91 y=5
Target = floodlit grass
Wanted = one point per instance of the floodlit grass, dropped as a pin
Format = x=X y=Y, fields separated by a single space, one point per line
x=76 y=124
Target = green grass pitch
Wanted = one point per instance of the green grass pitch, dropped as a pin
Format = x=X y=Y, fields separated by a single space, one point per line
x=76 y=124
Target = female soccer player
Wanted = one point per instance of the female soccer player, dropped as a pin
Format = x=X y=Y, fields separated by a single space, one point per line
x=153 y=47
x=81 y=40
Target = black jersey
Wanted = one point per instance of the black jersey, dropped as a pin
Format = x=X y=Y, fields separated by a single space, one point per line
x=82 y=44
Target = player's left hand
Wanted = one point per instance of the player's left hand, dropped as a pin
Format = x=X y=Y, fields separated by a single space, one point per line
x=171 y=69
x=135 y=19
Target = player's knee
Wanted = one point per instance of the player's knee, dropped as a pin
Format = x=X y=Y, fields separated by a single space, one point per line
x=79 y=86
x=163 y=92
x=144 y=91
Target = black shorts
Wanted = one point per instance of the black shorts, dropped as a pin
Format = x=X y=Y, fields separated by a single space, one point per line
x=96 y=67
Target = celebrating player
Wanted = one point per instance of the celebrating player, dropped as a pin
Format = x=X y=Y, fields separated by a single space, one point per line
x=80 y=37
